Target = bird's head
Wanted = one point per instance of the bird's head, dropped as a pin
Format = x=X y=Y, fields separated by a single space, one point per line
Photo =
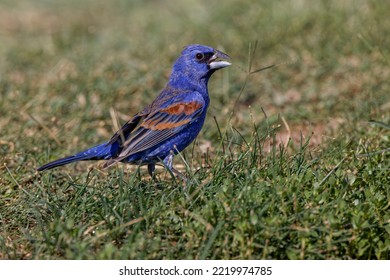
x=198 y=62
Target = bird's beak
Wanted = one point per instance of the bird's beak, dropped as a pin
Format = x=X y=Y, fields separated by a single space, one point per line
x=215 y=61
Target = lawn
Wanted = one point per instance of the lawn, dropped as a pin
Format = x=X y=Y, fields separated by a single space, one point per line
x=293 y=161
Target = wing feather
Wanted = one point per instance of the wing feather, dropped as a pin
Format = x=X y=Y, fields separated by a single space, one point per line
x=158 y=125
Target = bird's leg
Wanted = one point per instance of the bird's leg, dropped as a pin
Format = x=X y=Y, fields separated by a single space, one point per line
x=151 y=168
x=168 y=162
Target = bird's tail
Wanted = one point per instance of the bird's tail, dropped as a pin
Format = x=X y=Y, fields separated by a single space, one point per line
x=102 y=151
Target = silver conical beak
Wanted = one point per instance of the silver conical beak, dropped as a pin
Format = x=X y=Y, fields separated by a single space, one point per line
x=215 y=62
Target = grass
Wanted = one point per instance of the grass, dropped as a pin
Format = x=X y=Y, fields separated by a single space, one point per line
x=288 y=165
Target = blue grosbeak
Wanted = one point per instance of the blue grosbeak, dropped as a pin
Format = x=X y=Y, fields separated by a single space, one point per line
x=169 y=124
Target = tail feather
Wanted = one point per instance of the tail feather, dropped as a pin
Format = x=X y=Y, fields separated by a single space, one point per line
x=102 y=151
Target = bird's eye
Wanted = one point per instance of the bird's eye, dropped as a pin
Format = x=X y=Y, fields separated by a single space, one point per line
x=199 y=56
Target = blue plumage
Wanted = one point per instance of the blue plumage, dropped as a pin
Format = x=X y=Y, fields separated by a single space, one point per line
x=169 y=124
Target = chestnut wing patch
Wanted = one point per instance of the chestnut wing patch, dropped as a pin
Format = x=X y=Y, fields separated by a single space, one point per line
x=173 y=116
x=187 y=108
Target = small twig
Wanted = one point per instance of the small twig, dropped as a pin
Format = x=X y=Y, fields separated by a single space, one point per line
x=331 y=172
x=16 y=182
x=91 y=228
x=263 y=68
x=12 y=176
x=114 y=119
x=374 y=153
x=288 y=131
x=51 y=134
x=115 y=122
x=380 y=124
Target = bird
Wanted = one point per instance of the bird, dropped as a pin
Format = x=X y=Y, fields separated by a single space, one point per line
x=166 y=126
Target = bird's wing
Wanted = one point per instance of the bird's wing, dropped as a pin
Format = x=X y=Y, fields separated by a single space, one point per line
x=160 y=124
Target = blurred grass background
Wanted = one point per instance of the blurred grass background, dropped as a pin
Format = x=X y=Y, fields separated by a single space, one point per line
x=296 y=170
